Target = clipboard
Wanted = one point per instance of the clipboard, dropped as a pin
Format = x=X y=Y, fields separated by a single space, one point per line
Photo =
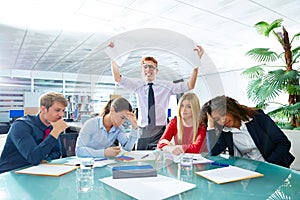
x=228 y=174
x=47 y=170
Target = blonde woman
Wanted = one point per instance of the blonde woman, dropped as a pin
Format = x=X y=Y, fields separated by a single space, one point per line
x=188 y=133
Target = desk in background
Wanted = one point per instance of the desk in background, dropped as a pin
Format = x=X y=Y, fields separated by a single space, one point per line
x=75 y=126
x=277 y=183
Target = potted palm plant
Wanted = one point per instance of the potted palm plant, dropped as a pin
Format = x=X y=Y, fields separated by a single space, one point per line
x=268 y=79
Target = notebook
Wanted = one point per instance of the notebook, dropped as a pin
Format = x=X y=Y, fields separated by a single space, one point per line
x=47 y=170
x=228 y=174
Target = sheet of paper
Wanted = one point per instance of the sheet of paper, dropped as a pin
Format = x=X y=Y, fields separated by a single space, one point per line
x=160 y=187
x=73 y=161
x=228 y=174
x=47 y=170
x=140 y=155
x=148 y=39
x=103 y=163
x=197 y=158
x=97 y=163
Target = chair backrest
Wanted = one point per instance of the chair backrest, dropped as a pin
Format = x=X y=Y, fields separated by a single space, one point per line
x=2 y=141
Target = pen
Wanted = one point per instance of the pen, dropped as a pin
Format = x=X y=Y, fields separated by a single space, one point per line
x=145 y=156
x=100 y=159
x=220 y=164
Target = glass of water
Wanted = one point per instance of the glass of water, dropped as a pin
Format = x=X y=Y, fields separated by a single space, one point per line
x=85 y=175
x=84 y=180
x=186 y=162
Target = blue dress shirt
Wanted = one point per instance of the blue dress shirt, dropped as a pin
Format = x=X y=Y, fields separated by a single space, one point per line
x=93 y=138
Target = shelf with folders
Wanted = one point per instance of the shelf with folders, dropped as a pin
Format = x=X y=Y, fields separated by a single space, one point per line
x=78 y=105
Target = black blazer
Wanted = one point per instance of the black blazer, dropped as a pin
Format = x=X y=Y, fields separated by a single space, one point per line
x=268 y=138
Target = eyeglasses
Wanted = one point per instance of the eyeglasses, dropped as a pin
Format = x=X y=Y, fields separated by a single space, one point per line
x=151 y=67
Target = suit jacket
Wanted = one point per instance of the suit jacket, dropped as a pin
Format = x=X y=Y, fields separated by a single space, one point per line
x=267 y=136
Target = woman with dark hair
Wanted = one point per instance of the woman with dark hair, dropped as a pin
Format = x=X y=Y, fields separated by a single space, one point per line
x=244 y=131
x=97 y=136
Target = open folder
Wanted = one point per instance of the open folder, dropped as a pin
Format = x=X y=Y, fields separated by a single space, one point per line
x=47 y=170
x=228 y=174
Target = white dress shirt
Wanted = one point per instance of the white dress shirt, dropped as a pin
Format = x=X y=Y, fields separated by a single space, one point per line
x=243 y=143
x=162 y=92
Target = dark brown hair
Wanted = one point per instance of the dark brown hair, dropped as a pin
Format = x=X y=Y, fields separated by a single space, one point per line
x=119 y=104
x=223 y=105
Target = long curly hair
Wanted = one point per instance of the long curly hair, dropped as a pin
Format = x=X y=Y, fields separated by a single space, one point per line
x=222 y=105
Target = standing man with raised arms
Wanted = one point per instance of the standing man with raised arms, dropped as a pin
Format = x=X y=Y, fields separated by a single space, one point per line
x=153 y=96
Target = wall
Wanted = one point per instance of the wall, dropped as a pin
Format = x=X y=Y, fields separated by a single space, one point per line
x=20 y=89
x=294 y=137
x=229 y=83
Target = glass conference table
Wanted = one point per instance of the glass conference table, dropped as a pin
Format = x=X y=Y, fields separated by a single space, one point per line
x=277 y=183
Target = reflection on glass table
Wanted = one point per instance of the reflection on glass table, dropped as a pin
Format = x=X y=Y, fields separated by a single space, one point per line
x=277 y=183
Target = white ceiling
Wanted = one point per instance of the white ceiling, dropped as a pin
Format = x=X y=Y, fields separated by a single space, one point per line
x=71 y=35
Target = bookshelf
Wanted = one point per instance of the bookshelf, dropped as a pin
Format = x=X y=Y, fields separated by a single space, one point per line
x=78 y=105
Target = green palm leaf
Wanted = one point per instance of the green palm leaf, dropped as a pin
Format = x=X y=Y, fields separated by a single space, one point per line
x=261 y=27
x=254 y=72
x=287 y=110
x=296 y=50
x=295 y=54
x=253 y=89
x=263 y=55
x=296 y=36
x=264 y=28
x=281 y=78
x=270 y=91
x=260 y=90
x=293 y=89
